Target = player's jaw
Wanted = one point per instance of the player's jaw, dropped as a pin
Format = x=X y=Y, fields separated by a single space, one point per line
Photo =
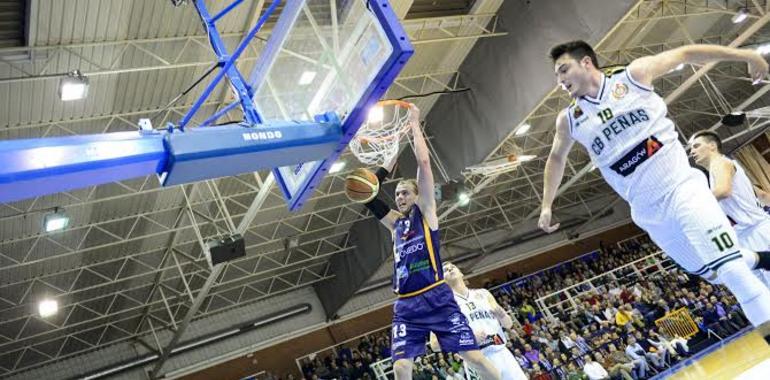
x=405 y=198
x=451 y=273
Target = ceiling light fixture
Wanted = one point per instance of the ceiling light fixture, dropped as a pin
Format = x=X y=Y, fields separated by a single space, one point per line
x=741 y=16
x=55 y=221
x=73 y=86
x=524 y=128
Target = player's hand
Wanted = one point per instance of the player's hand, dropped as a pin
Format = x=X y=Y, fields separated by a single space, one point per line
x=545 y=221
x=757 y=67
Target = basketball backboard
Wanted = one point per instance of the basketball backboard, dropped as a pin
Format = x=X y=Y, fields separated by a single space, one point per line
x=337 y=56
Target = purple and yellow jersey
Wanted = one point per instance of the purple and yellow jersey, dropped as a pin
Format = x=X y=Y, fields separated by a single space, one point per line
x=416 y=255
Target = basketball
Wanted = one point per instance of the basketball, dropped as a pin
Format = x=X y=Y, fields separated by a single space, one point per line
x=361 y=185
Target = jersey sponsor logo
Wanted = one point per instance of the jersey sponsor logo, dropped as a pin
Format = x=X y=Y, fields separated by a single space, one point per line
x=636 y=156
x=619 y=91
x=466 y=339
x=410 y=249
x=418 y=266
x=615 y=125
x=577 y=112
x=456 y=320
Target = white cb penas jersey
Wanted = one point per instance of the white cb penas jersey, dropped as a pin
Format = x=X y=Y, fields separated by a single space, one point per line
x=478 y=310
x=742 y=206
x=624 y=127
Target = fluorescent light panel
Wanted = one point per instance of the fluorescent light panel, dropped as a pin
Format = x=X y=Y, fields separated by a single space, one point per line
x=47 y=308
x=56 y=222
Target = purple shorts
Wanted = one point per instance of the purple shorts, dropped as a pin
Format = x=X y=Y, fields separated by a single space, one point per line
x=435 y=310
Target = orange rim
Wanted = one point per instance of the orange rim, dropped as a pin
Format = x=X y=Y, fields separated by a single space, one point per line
x=393 y=102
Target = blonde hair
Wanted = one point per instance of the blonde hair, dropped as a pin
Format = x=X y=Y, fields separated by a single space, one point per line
x=411 y=182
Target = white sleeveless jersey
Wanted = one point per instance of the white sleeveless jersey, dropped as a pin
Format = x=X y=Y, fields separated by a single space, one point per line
x=742 y=206
x=622 y=128
x=478 y=310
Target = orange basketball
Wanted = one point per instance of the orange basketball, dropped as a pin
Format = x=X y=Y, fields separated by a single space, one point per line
x=361 y=185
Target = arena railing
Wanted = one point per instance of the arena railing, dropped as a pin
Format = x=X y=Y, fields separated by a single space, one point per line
x=635 y=270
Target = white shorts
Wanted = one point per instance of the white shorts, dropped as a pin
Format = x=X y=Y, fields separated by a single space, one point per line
x=755 y=238
x=688 y=224
x=503 y=360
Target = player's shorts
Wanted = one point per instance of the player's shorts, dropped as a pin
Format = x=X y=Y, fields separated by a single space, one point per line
x=755 y=238
x=434 y=310
x=503 y=360
x=688 y=224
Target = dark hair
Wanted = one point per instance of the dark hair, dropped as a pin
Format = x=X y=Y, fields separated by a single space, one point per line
x=710 y=137
x=576 y=49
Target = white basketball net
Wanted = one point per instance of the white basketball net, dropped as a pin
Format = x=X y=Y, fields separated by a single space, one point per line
x=377 y=141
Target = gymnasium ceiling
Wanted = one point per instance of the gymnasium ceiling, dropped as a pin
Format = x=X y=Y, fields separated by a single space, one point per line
x=130 y=260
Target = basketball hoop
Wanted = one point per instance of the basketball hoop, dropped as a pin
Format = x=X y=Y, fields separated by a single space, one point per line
x=376 y=142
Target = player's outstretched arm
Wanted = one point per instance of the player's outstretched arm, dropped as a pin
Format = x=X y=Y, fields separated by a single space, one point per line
x=426 y=199
x=646 y=69
x=389 y=219
x=505 y=320
x=723 y=171
x=554 y=170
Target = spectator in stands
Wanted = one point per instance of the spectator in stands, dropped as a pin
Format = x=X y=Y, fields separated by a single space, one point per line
x=559 y=371
x=593 y=369
x=523 y=361
x=618 y=364
x=452 y=375
x=659 y=358
x=528 y=311
x=565 y=342
x=537 y=373
x=676 y=347
x=573 y=373
x=636 y=353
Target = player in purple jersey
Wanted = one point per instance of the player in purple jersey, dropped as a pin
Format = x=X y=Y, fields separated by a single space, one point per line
x=425 y=302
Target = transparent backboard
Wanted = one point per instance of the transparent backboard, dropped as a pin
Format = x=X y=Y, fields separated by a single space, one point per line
x=337 y=56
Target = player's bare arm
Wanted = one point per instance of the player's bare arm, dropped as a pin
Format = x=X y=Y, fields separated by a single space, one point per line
x=762 y=196
x=426 y=199
x=722 y=170
x=499 y=313
x=646 y=69
x=389 y=220
x=554 y=170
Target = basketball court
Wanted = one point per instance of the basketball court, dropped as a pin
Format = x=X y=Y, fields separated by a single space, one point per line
x=173 y=172
x=744 y=358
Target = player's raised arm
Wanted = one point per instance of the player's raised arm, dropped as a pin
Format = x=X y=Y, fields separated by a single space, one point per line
x=380 y=209
x=646 y=69
x=426 y=199
x=554 y=170
x=503 y=317
x=723 y=172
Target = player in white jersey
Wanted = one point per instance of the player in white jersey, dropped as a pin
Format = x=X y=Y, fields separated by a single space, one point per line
x=736 y=195
x=487 y=320
x=622 y=123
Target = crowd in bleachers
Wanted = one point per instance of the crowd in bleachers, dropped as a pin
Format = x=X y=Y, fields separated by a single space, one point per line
x=610 y=334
